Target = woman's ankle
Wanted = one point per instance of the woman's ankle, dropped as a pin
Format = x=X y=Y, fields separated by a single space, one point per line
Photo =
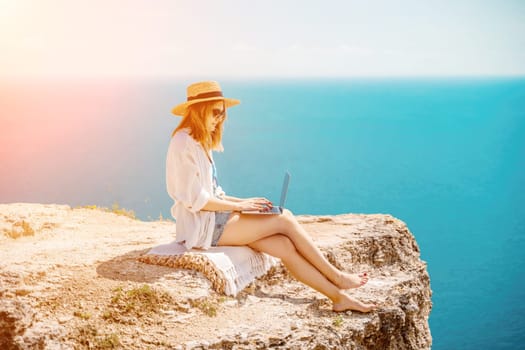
x=338 y=297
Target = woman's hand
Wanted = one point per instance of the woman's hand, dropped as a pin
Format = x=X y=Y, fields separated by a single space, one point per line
x=257 y=203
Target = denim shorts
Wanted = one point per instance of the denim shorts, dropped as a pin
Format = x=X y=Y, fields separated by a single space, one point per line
x=221 y=217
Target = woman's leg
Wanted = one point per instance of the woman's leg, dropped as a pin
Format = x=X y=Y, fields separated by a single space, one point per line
x=282 y=247
x=243 y=229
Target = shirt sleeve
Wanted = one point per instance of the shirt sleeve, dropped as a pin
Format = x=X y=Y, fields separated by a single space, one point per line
x=183 y=178
x=219 y=192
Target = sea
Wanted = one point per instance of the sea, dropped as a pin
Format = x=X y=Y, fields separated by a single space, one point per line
x=444 y=155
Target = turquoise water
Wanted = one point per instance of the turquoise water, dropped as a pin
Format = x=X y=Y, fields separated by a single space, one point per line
x=447 y=156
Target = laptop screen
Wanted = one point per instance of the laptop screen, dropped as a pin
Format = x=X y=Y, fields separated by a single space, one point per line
x=285 y=189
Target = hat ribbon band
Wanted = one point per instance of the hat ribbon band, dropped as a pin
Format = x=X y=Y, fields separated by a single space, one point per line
x=206 y=95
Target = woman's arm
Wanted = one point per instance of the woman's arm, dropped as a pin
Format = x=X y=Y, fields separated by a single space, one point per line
x=233 y=199
x=216 y=204
x=236 y=199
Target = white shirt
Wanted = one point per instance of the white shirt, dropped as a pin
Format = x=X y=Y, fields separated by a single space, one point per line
x=189 y=184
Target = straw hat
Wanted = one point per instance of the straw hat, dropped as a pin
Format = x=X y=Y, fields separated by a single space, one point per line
x=203 y=91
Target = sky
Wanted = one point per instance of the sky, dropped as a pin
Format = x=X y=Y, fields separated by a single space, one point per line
x=175 y=38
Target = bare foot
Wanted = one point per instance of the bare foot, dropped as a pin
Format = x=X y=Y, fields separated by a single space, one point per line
x=346 y=302
x=351 y=280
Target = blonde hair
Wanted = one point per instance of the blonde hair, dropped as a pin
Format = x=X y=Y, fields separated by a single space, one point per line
x=196 y=119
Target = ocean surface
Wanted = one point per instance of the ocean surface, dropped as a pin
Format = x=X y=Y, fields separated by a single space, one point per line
x=446 y=156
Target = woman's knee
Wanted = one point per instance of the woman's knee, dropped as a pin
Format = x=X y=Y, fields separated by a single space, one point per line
x=288 y=213
x=288 y=221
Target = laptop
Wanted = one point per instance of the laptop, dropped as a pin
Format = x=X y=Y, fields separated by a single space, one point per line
x=275 y=210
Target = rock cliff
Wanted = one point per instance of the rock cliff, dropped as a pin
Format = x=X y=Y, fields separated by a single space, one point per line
x=70 y=279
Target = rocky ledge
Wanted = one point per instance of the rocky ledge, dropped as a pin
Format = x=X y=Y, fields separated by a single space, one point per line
x=70 y=279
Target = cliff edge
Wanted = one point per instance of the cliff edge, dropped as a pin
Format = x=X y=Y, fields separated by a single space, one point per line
x=70 y=279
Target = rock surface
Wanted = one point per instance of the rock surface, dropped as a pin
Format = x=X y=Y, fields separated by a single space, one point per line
x=69 y=279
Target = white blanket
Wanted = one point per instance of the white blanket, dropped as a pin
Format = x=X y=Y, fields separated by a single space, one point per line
x=230 y=269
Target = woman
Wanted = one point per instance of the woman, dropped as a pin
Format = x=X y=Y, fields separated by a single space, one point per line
x=206 y=216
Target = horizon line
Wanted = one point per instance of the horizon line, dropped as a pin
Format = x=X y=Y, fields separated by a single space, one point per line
x=252 y=78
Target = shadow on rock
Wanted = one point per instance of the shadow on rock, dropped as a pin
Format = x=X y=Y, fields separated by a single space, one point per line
x=126 y=267
x=282 y=296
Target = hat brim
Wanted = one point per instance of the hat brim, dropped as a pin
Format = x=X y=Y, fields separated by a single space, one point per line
x=181 y=109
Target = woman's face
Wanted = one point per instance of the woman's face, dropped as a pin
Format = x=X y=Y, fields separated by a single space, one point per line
x=217 y=114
